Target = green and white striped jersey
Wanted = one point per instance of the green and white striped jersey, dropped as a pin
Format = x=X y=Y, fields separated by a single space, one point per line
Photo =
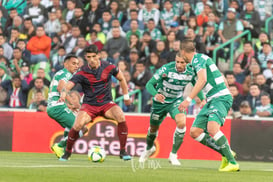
x=167 y=16
x=54 y=94
x=170 y=82
x=215 y=85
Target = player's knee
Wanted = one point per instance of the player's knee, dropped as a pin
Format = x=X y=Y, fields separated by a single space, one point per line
x=120 y=119
x=194 y=132
x=153 y=129
x=180 y=124
x=78 y=125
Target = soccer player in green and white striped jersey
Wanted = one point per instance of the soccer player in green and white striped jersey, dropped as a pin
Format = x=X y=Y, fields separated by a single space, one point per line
x=170 y=81
x=219 y=102
x=63 y=112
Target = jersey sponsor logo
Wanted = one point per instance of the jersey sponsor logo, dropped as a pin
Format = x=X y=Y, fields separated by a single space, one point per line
x=155 y=116
x=173 y=87
x=162 y=70
x=204 y=56
x=213 y=68
x=156 y=76
x=179 y=77
x=67 y=75
x=195 y=61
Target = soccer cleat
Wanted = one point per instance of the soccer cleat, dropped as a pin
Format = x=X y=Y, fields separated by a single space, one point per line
x=59 y=151
x=230 y=168
x=124 y=155
x=173 y=159
x=65 y=157
x=146 y=154
x=225 y=161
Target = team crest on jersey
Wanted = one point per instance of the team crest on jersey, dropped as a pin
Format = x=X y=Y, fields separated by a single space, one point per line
x=195 y=60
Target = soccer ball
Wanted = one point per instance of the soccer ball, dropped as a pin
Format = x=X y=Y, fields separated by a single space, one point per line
x=96 y=154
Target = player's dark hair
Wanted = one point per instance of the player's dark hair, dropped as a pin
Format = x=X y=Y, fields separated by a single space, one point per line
x=187 y=45
x=40 y=26
x=21 y=40
x=93 y=31
x=133 y=10
x=248 y=42
x=107 y=11
x=16 y=29
x=16 y=76
x=17 y=48
x=233 y=85
x=69 y=56
x=12 y=9
x=255 y=84
x=61 y=47
x=229 y=73
x=92 y=49
x=39 y=78
x=141 y=62
x=265 y=94
x=28 y=19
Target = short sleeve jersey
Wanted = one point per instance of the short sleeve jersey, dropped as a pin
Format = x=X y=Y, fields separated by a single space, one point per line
x=215 y=85
x=171 y=83
x=96 y=83
x=54 y=94
x=167 y=16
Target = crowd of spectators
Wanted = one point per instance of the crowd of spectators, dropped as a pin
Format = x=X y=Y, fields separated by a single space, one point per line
x=138 y=36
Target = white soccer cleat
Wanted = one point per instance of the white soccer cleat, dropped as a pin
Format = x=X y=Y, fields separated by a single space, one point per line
x=146 y=154
x=173 y=159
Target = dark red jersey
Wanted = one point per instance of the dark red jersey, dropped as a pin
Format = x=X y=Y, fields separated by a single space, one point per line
x=96 y=83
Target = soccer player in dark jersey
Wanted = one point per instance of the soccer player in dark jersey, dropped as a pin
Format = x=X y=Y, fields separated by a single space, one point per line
x=95 y=79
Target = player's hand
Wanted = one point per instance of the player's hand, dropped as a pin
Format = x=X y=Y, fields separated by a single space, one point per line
x=160 y=98
x=62 y=97
x=183 y=106
x=203 y=102
x=127 y=102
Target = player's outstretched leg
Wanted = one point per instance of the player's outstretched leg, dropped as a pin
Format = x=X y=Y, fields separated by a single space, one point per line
x=146 y=154
x=122 y=134
x=177 y=141
x=224 y=162
x=73 y=135
x=222 y=141
x=59 y=148
x=150 y=149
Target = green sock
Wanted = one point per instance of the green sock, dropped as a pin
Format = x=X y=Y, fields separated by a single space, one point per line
x=178 y=139
x=222 y=141
x=62 y=143
x=150 y=139
x=207 y=140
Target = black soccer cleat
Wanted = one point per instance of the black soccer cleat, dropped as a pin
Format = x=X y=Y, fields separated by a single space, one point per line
x=66 y=156
x=124 y=155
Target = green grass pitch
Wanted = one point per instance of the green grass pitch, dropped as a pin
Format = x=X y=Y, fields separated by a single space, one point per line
x=36 y=167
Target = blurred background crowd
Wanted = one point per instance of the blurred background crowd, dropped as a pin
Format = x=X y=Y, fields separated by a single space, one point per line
x=138 y=36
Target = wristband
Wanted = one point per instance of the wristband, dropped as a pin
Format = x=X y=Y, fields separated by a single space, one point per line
x=126 y=97
x=188 y=99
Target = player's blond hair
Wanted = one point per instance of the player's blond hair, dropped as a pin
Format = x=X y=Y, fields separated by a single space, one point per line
x=76 y=93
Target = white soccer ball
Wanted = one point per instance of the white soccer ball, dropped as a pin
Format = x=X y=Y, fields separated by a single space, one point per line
x=96 y=154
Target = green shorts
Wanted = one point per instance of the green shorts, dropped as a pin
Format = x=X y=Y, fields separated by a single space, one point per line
x=160 y=111
x=215 y=110
x=62 y=114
